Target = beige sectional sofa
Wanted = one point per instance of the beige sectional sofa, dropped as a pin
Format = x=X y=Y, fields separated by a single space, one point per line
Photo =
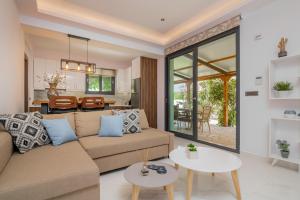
x=71 y=171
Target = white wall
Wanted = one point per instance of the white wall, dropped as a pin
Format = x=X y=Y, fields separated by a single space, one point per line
x=280 y=18
x=11 y=59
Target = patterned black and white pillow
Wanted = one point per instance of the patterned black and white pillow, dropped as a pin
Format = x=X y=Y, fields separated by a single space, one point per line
x=131 y=120
x=26 y=130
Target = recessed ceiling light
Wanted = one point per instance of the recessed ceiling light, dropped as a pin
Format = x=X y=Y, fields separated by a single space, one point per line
x=162 y=19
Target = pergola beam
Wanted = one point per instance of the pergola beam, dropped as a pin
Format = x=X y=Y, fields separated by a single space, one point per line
x=210 y=62
x=181 y=76
x=211 y=66
x=207 y=64
x=208 y=77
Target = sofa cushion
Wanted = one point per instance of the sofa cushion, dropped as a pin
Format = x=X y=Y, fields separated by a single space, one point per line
x=48 y=172
x=105 y=146
x=88 y=123
x=26 y=129
x=111 y=126
x=6 y=148
x=59 y=130
x=69 y=116
x=131 y=120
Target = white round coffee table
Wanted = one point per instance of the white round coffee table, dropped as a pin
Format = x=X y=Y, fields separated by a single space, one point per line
x=154 y=180
x=208 y=160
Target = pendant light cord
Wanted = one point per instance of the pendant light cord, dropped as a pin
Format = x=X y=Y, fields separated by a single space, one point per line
x=69 y=48
x=87 y=51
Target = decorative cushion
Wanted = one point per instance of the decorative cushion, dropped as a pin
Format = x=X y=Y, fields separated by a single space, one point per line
x=59 y=130
x=111 y=126
x=26 y=129
x=131 y=120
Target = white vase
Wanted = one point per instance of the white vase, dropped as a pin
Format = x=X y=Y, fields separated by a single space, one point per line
x=192 y=154
x=282 y=94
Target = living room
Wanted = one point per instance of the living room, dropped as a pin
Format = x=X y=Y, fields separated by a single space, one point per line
x=155 y=99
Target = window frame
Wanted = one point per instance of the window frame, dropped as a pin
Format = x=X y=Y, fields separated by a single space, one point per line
x=112 y=92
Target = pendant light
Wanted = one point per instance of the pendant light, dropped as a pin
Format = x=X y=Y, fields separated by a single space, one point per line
x=78 y=66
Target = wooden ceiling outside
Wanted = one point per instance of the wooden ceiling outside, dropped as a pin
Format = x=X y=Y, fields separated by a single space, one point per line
x=210 y=64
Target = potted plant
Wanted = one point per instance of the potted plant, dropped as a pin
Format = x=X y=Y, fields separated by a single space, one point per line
x=192 y=152
x=284 y=148
x=282 y=88
x=53 y=80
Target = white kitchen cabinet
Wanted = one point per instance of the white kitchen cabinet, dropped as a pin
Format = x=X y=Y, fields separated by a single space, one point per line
x=38 y=74
x=75 y=81
x=124 y=80
x=46 y=66
x=136 y=68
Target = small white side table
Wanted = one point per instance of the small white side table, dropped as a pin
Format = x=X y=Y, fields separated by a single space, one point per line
x=209 y=160
x=154 y=180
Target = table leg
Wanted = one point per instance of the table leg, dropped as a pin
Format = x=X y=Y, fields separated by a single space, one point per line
x=176 y=166
x=170 y=191
x=165 y=188
x=189 y=184
x=135 y=192
x=235 y=179
x=213 y=174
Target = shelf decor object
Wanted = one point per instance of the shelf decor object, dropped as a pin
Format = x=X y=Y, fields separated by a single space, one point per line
x=75 y=65
x=284 y=148
x=284 y=135
x=290 y=114
x=282 y=89
x=282 y=47
x=284 y=82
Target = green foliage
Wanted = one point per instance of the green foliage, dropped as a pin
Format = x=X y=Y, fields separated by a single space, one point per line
x=93 y=83
x=283 y=86
x=283 y=145
x=179 y=95
x=211 y=93
x=106 y=84
x=192 y=147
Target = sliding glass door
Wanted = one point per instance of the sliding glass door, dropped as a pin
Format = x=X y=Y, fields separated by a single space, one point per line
x=180 y=94
x=203 y=91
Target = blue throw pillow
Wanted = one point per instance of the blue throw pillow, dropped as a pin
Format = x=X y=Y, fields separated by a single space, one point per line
x=111 y=126
x=59 y=131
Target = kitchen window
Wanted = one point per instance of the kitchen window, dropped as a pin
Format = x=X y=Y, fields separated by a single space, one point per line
x=102 y=82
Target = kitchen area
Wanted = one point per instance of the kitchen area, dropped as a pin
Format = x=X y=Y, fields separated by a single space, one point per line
x=74 y=83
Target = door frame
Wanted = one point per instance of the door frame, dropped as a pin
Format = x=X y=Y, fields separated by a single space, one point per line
x=194 y=48
x=26 y=95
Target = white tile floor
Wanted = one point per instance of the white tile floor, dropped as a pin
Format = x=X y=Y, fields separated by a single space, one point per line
x=258 y=181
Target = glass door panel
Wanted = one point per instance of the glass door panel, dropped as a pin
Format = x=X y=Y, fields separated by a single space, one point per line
x=180 y=94
x=216 y=85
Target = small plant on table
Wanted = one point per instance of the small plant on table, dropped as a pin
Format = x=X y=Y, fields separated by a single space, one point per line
x=192 y=151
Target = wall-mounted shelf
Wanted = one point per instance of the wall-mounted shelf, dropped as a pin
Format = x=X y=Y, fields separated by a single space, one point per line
x=297 y=119
x=285 y=69
x=281 y=128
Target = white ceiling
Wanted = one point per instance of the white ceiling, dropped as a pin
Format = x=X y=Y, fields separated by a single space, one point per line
x=148 y=13
x=50 y=41
x=137 y=19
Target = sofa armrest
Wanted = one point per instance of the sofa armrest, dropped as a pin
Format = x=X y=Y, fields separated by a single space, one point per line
x=6 y=148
